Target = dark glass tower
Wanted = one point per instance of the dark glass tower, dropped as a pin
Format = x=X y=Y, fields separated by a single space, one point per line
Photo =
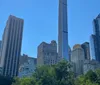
x=95 y=39
x=93 y=49
x=11 y=46
x=63 y=30
x=86 y=48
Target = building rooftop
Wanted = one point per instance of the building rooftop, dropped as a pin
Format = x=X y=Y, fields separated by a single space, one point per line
x=12 y=16
x=77 y=46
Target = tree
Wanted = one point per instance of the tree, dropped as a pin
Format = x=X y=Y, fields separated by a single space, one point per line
x=90 y=78
x=64 y=74
x=23 y=81
x=45 y=75
x=98 y=75
x=59 y=74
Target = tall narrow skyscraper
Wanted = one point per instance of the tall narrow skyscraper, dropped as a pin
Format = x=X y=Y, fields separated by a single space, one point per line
x=11 y=46
x=63 y=30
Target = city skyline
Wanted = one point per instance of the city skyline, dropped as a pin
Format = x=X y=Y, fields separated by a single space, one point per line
x=50 y=24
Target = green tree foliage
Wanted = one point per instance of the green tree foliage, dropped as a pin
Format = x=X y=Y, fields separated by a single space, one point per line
x=64 y=74
x=98 y=75
x=90 y=78
x=44 y=75
x=23 y=81
x=59 y=74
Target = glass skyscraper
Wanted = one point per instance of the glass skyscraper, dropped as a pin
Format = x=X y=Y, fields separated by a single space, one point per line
x=93 y=47
x=95 y=39
x=86 y=48
x=63 y=30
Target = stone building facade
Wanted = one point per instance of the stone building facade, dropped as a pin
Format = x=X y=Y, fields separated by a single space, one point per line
x=80 y=59
x=90 y=65
x=47 y=53
x=28 y=66
x=77 y=58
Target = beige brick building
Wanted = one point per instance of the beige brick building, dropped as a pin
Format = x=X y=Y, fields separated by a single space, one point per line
x=77 y=58
x=47 y=53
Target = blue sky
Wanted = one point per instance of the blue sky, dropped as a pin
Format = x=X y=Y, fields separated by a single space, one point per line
x=41 y=20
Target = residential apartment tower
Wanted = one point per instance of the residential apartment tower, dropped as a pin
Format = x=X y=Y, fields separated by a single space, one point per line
x=63 y=30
